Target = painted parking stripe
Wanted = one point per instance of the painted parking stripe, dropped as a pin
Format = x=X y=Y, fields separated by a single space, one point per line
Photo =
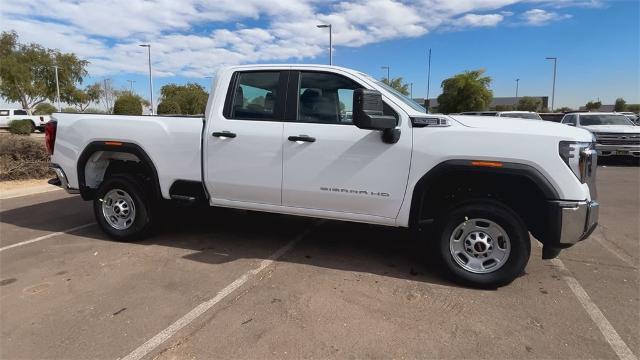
x=45 y=237
x=610 y=334
x=613 y=248
x=167 y=333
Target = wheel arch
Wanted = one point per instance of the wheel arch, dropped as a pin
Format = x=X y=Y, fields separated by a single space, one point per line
x=450 y=171
x=125 y=151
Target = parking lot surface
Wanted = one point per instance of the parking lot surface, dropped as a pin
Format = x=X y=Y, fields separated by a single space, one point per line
x=222 y=283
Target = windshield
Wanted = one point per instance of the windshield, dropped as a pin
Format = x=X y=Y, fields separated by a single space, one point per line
x=414 y=105
x=604 y=120
x=524 y=115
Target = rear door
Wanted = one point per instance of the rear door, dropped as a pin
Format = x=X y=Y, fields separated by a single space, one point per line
x=244 y=141
x=329 y=163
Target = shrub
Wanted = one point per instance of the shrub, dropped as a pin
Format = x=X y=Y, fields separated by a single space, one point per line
x=69 y=109
x=168 y=107
x=44 y=109
x=21 y=127
x=127 y=104
x=23 y=158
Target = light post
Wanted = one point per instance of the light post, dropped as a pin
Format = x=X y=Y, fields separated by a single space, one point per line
x=517 y=83
x=411 y=90
x=553 y=91
x=429 y=81
x=131 y=82
x=148 y=46
x=57 y=88
x=388 y=72
x=322 y=26
x=210 y=82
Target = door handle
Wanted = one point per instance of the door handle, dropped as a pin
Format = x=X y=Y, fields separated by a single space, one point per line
x=305 y=138
x=224 y=134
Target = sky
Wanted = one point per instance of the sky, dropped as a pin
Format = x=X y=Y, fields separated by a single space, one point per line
x=597 y=42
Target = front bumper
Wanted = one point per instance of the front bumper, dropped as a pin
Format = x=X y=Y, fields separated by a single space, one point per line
x=62 y=177
x=570 y=222
x=579 y=219
x=609 y=150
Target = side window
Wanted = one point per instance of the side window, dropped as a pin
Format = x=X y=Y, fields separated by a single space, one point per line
x=20 y=112
x=255 y=96
x=4 y=112
x=325 y=98
x=569 y=119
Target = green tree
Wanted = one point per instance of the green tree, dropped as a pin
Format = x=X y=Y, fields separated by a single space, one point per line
x=27 y=72
x=69 y=109
x=528 y=103
x=398 y=84
x=504 y=108
x=620 y=105
x=127 y=104
x=593 y=105
x=191 y=97
x=468 y=91
x=94 y=111
x=44 y=109
x=168 y=107
x=564 y=109
x=82 y=98
x=633 y=107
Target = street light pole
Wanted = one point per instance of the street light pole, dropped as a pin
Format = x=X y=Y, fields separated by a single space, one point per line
x=517 y=83
x=411 y=91
x=553 y=91
x=429 y=81
x=57 y=88
x=148 y=46
x=131 y=82
x=330 y=40
x=388 y=71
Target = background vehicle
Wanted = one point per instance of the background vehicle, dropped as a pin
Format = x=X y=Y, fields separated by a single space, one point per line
x=511 y=114
x=632 y=116
x=278 y=138
x=8 y=115
x=555 y=117
x=615 y=134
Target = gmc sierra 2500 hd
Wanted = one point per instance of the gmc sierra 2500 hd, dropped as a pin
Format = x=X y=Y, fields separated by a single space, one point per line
x=334 y=143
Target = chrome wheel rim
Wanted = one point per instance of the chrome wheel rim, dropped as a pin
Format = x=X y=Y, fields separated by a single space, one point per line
x=480 y=246
x=118 y=209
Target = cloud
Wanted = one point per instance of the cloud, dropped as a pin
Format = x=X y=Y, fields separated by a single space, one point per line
x=195 y=37
x=538 y=17
x=475 y=20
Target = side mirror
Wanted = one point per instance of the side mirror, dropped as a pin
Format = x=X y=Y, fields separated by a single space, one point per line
x=368 y=111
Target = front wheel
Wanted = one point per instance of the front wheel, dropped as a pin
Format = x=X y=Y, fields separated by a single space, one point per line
x=123 y=209
x=484 y=243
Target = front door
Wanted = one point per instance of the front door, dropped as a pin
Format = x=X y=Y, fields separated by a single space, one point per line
x=244 y=141
x=329 y=163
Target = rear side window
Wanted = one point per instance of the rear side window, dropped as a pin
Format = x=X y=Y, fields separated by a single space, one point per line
x=4 y=112
x=19 y=112
x=256 y=95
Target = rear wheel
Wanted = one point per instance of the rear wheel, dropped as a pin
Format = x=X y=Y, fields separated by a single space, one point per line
x=484 y=243
x=123 y=209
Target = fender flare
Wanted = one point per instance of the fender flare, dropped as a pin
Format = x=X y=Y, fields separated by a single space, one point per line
x=462 y=165
x=115 y=146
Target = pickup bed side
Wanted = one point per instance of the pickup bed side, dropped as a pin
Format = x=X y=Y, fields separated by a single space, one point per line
x=86 y=144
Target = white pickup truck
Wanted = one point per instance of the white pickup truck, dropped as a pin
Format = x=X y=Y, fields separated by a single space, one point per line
x=8 y=115
x=334 y=143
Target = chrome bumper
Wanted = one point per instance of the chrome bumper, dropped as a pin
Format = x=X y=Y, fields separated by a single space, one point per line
x=579 y=219
x=64 y=183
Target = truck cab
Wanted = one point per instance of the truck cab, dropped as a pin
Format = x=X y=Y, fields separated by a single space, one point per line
x=335 y=143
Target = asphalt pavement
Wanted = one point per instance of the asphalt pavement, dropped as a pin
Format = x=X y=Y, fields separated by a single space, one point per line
x=222 y=283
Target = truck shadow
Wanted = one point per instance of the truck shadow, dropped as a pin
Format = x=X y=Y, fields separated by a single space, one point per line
x=218 y=236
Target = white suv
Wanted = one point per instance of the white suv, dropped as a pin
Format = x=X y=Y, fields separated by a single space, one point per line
x=615 y=133
x=510 y=114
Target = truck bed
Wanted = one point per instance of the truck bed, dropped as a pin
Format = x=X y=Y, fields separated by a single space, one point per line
x=172 y=143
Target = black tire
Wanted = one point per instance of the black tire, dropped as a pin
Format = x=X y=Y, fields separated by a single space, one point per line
x=142 y=223
x=504 y=217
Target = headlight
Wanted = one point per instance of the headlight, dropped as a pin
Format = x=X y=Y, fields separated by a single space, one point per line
x=579 y=157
